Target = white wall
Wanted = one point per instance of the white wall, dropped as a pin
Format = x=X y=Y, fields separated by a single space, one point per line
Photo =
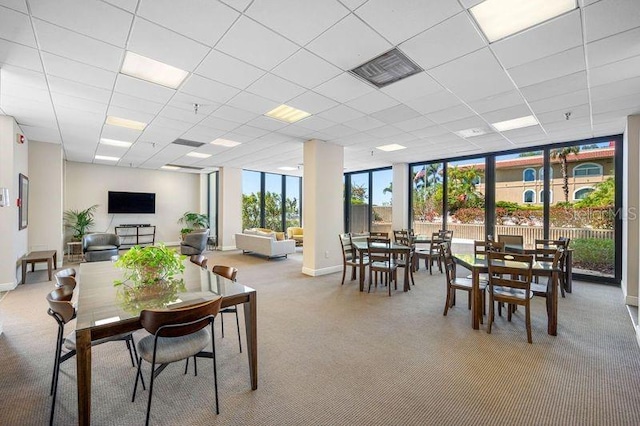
x=14 y=159
x=45 y=198
x=88 y=184
x=230 y=207
x=400 y=211
x=630 y=204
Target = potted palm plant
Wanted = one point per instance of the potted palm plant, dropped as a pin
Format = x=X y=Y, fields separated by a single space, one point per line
x=193 y=221
x=79 y=221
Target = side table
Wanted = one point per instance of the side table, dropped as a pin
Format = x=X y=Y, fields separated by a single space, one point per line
x=74 y=251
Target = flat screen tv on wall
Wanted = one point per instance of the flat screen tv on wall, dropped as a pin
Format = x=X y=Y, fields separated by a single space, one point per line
x=131 y=202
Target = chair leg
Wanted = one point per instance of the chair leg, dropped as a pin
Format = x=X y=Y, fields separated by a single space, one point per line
x=153 y=367
x=138 y=376
x=56 y=360
x=528 y=321
x=490 y=314
x=56 y=373
x=186 y=366
x=222 y=324
x=127 y=340
x=195 y=366
x=215 y=369
x=430 y=265
x=344 y=273
x=238 y=327
x=447 y=302
x=469 y=300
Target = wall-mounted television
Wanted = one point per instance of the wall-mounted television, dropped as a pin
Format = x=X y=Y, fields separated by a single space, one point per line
x=131 y=202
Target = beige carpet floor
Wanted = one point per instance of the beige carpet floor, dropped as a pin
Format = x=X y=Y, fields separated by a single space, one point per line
x=330 y=355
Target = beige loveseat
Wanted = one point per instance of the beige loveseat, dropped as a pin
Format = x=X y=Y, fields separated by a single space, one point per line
x=264 y=243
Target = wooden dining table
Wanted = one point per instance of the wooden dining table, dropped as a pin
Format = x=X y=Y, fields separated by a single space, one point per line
x=479 y=264
x=103 y=312
x=393 y=248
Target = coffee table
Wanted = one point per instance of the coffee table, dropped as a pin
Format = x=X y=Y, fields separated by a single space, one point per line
x=49 y=256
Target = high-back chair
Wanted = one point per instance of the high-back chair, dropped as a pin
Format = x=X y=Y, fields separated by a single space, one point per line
x=230 y=273
x=66 y=277
x=432 y=253
x=454 y=283
x=407 y=260
x=177 y=334
x=350 y=257
x=544 y=290
x=512 y=243
x=510 y=283
x=545 y=251
x=61 y=310
x=380 y=260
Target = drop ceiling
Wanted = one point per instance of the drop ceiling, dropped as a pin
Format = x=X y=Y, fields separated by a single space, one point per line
x=60 y=78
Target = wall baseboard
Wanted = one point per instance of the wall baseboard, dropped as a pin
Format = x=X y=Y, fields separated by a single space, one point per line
x=322 y=271
x=631 y=300
x=8 y=286
x=227 y=248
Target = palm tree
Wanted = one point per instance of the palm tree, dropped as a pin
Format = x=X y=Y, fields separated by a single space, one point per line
x=562 y=154
x=388 y=189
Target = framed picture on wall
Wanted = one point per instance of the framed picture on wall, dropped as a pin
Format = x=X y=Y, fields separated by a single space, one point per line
x=23 y=201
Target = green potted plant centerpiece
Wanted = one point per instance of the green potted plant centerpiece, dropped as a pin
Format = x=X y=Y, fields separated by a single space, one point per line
x=79 y=221
x=193 y=221
x=149 y=266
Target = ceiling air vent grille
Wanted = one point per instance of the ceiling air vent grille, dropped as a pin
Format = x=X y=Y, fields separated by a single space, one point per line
x=186 y=142
x=387 y=68
x=185 y=167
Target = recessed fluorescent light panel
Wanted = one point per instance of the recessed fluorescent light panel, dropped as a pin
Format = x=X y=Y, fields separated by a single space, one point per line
x=198 y=155
x=516 y=123
x=390 y=147
x=114 y=142
x=501 y=18
x=287 y=114
x=170 y=167
x=123 y=122
x=387 y=68
x=225 y=142
x=153 y=71
x=106 y=158
x=469 y=133
x=287 y=168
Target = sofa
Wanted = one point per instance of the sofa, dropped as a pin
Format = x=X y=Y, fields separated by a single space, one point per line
x=264 y=243
x=99 y=247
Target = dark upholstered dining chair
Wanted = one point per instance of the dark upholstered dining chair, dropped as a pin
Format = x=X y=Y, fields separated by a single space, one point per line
x=349 y=257
x=177 y=334
x=199 y=260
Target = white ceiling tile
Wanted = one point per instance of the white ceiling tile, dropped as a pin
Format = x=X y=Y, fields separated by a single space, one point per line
x=19 y=5
x=16 y=27
x=434 y=102
x=616 y=89
x=343 y=88
x=450 y=114
x=157 y=134
x=306 y=69
x=62 y=100
x=614 y=48
x=339 y=131
x=181 y=114
x=429 y=132
x=252 y=132
x=364 y=123
x=77 y=71
x=412 y=87
x=557 y=35
x=164 y=121
x=353 y=4
x=557 y=86
x=234 y=114
x=413 y=124
x=314 y=123
x=253 y=103
x=395 y=114
x=79 y=90
x=275 y=88
x=385 y=132
x=228 y=70
x=487 y=78
x=89 y=17
x=453 y=38
x=42 y=134
x=291 y=17
x=19 y=56
x=253 y=43
x=554 y=66
x=219 y=123
x=187 y=101
x=402 y=19
x=577 y=112
x=608 y=17
x=202 y=134
x=514 y=111
x=496 y=102
x=208 y=89
x=143 y=89
x=129 y=114
x=621 y=70
x=128 y=5
x=311 y=102
x=175 y=49
x=68 y=44
x=266 y=123
x=239 y=5
x=341 y=113
x=473 y=122
x=372 y=102
x=202 y=20
x=135 y=103
x=349 y=43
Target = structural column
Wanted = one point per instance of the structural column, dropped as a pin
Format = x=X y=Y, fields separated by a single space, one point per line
x=323 y=209
x=230 y=207
x=630 y=203
x=400 y=201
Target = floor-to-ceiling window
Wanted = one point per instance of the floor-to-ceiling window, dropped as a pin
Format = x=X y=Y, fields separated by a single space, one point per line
x=359 y=203
x=381 y=197
x=426 y=198
x=368 y=199
x=270 y=200
x=466 y=199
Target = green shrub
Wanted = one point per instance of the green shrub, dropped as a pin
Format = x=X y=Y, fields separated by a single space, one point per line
x=508 y=206
x=593 y=254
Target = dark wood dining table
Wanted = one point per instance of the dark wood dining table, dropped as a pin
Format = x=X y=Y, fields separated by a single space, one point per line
x=102 y=312
x=394 y=248
x=478 y=265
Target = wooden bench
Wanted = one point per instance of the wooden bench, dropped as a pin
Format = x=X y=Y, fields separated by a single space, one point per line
x=49 y=256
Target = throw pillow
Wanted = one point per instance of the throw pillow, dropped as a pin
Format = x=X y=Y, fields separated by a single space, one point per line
x=279 y=236
x=250 y=231
x=271 y=235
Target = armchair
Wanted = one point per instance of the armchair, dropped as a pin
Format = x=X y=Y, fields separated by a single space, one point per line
x=194 y=242
x=100 y=246
x=295 y=233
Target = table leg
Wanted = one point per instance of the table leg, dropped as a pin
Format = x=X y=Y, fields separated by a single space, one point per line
x=552 y=315
x=406 y=274
x=49 y=267
x=83 y=375
x=251 y=329
x=24 y=271
x=476 y=308
x=568 y=271
x=361 y=269
x=55 y=260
